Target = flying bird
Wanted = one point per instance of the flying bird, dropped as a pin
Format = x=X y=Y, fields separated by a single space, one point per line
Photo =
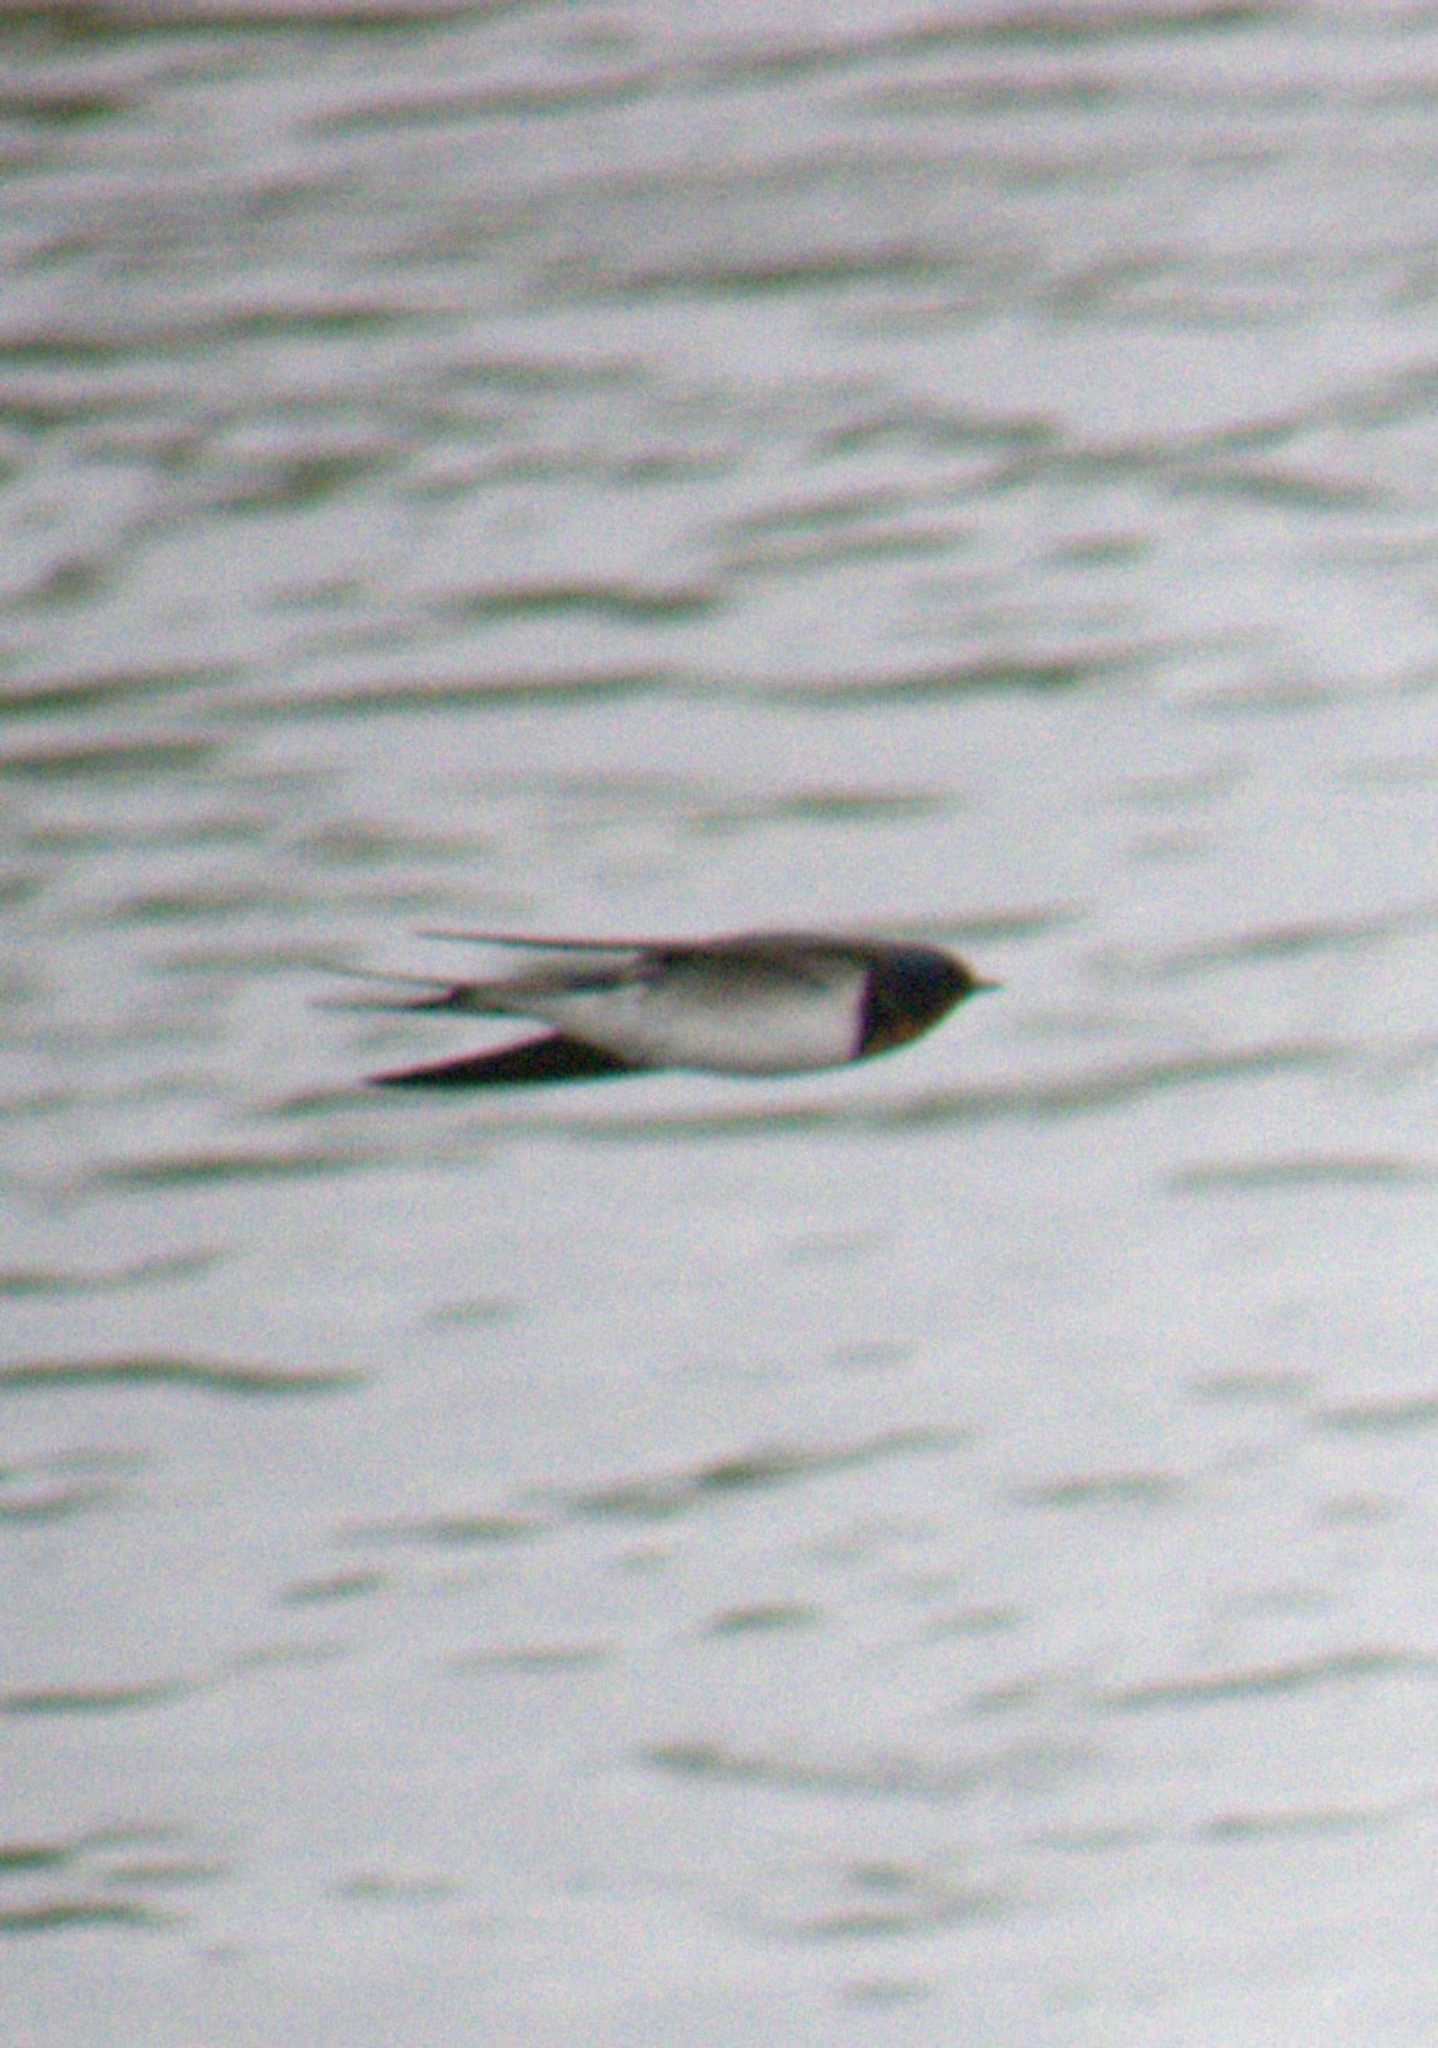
x=756 y=1003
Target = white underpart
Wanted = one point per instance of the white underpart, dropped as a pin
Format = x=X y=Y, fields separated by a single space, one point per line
x=750 y=1025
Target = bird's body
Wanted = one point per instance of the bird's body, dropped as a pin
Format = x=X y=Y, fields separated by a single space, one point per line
x=758 y=1003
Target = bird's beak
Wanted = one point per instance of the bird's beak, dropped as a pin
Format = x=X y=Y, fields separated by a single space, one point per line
x=978 y=986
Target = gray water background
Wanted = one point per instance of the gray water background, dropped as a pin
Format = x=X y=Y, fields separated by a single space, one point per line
x=938 y=1552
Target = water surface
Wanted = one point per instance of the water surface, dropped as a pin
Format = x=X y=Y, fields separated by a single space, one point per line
x=940 y=1551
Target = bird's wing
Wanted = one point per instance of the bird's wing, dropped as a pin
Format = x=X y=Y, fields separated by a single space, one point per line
x=516 y=942
x=582 y=971
x=555 y=1057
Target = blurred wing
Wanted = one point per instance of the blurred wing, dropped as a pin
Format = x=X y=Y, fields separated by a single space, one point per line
x=530 y=1063
x=520 y=944
x=504 y=995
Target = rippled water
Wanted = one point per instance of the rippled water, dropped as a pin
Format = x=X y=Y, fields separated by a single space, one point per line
x=935 y=1552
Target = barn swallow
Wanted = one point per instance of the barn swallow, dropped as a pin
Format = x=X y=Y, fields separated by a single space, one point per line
x=756 y=1003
